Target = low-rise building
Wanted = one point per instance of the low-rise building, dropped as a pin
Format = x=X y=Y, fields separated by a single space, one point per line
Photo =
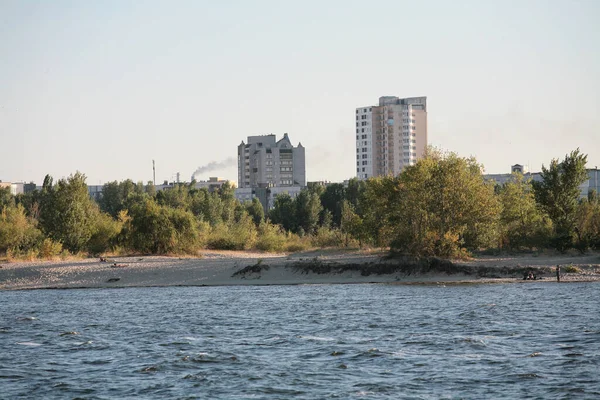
x=591 y=184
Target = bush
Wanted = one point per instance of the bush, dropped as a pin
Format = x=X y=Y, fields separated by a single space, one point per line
x=270 y=238
x=326 y=237
x=222 y=237
x=18 y=233
x=105 y=233
x=50 y=249
x=571 y=269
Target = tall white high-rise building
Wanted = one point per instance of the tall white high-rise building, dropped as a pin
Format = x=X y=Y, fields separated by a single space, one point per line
x=267 y=162
x=390 y=136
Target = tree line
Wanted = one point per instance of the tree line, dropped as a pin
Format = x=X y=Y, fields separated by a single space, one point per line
x=441 y=206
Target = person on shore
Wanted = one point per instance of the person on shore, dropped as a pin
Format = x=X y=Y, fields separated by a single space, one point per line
x=558 y=273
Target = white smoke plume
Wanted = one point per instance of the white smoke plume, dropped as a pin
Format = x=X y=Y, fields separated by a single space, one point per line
x=214 y=166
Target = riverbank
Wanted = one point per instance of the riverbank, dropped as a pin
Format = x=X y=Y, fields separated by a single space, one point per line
x=215 y=268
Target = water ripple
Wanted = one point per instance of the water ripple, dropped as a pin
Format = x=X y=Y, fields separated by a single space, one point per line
x=305 y=342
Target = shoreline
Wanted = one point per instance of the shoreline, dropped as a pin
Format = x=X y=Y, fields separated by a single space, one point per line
x=214 y=268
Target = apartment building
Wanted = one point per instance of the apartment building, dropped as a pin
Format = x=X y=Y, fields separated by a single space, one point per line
x=390 y=136
x=267 y=162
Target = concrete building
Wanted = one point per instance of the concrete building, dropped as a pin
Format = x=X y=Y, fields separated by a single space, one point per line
x=15 y=187
x=263 y=161
x=390 y=136
x=266 y=195
x=268 y=167
x=591 y=184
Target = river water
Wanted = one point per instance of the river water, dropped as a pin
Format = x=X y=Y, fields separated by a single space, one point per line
x=531 y=340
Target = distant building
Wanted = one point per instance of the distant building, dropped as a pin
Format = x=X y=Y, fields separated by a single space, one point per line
x=265 y=162
x=213 y=183
x=14 y=187
x=268 y=167
x=591 y=184
x=390 y=136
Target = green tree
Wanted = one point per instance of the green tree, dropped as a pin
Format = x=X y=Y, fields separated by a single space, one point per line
x=68 y=213
x=6 y=198
x=587 y=223
x=331 y=199
x=444 y=207
x=558 y=194
x=18 y=232
x=160 y=229
x=308 y=209
x=284 y=212
x=256 y=211
x=522 y=223
x=351 y=224
x=175 y=197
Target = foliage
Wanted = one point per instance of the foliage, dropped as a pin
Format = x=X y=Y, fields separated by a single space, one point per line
x=18 y=233
x=558 y=195
x=284 y=212
x=68 y=213
x=331 y=199
x=105 y=233
x=351 y=224
x=256 y=211
x=159 y=229
x=6 y=198
x=523 y=223
x=308 y=209
x=587 y=223
x=443 y=207
x=50 y=249
x=327 y=237
x=270 y=238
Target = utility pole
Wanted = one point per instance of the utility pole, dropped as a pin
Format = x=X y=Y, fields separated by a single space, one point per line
x=153 y=174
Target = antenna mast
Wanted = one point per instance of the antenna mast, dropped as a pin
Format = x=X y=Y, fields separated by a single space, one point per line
x=153 y=174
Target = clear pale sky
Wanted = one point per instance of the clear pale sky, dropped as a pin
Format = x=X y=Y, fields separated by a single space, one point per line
x=105 y=87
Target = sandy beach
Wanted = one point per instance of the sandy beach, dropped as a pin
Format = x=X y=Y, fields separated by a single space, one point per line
x=213 y=268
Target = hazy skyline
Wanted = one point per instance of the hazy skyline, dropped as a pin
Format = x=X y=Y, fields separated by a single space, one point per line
x=106 y=87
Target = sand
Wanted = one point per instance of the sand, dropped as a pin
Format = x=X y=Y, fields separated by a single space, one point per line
x=212 y=268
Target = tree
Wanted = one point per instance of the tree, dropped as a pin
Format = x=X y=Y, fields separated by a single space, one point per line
x=558 y=194
x=522 y=222
x=160 y=229
x=350 y=224
x=443 y=207
x=331 y=199
x=68 y=214
x=587 y=224
x=256 y=211
x=6 y=198
x=308 y=209
x=18 y=233
x=284 y=212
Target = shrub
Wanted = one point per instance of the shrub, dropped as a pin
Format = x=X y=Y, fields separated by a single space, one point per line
x=105 y=233
x=18 y=233
x=50 y=249
x=270 y=238
x=326 y=237
x=571 y=269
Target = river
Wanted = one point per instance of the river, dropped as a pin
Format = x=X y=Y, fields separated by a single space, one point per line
x=527 y=340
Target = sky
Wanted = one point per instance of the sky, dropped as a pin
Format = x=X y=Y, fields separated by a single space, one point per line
x=105 y=87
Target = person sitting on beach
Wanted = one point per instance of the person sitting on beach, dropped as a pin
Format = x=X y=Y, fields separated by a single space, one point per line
x=530 y=276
